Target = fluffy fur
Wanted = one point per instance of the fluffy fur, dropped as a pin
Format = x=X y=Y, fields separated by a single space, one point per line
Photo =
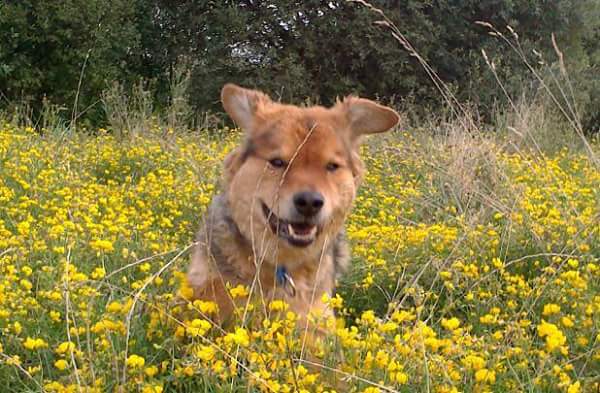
x=255 y=224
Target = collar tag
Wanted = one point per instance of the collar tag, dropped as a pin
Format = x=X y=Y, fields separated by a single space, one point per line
x=285 y=280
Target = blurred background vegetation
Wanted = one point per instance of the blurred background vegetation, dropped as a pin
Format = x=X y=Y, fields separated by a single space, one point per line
x=78 y=56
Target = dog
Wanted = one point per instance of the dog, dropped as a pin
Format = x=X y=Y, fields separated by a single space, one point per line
x=277 y=225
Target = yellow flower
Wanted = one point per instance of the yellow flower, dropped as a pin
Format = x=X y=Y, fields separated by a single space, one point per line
x=371 y=389
x=152 y=389
x=574 y=388
x=388 y=327
x=554 y=337
x=487 y=319
x=34 y=343
x=278 y=305
x=188 y=371
x=368 y=317
x=65 y=347
x=550 y=309
x=567 y=322
x=27 y=270
x=206 y=307
x=240 y=337
x=574 y=263
x=144 y=267
x=218 y=366
x=26 y=284
x=114 y=307
x=400 y=378
x=23 y=228
x=450 y=324
x=54 y=315
x=61 y=364
x=14 y=360
x=151 y=371
x=205 y=353
x=485 y=375
x=497 y=263
x=198 y=327
x=239 y=291
x=102 y=245
x=474 y=362
x=185 y=290
x=135 y=362
x=334 y=302
x=98 y=273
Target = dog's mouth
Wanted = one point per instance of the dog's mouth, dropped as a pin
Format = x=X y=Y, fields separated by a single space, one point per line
x=297 y=233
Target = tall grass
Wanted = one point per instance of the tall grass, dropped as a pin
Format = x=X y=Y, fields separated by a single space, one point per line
x=475 y=256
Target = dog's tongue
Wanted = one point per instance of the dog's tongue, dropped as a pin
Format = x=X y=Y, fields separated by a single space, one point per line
x=302 y=228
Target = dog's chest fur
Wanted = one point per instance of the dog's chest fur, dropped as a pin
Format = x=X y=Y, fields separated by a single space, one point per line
x=225 y=255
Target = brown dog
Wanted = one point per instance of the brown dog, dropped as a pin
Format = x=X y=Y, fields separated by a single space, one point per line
x=277 y=226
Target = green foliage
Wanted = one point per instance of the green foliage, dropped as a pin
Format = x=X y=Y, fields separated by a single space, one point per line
x=46 y=47
x=295 y=50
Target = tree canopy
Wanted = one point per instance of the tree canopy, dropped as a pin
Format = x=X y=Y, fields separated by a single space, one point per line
x=292 y=49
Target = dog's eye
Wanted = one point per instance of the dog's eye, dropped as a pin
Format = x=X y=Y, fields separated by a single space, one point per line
x=277 y=163
x=332 y=167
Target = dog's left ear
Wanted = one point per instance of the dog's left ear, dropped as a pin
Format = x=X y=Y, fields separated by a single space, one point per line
x=367 y=117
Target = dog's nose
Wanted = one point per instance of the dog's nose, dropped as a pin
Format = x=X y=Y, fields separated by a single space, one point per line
x=308 y=203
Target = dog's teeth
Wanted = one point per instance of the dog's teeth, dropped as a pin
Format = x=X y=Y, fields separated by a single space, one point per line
x=309 y=235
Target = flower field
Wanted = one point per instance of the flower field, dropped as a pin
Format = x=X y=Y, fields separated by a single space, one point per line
x=475 y=269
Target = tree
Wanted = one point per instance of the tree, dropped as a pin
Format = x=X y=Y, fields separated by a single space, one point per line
x=294 y=49
x=65 y=50
x=321 y=49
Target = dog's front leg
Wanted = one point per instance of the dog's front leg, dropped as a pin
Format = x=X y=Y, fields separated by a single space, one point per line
x=209 y=286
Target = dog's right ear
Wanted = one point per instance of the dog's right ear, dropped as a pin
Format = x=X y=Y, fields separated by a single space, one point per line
x=243 y=104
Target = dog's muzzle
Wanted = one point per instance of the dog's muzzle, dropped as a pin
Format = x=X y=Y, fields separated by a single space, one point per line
x=297 y=233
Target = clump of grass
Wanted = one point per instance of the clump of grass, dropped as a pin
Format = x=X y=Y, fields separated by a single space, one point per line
x=133 y=112
x=128 y=114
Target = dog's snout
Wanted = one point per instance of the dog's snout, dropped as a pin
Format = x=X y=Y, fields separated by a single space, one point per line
x=308 y=203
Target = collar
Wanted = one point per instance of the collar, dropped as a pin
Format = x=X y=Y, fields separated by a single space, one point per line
x=285 y=281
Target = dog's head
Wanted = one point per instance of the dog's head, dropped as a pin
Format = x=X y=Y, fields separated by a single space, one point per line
x=294 y=178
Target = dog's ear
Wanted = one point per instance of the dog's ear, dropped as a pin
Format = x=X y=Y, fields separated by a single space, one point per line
x=367 y=117
x=243 y=104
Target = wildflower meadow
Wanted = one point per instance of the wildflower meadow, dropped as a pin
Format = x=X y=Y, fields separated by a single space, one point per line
x=476 y=268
